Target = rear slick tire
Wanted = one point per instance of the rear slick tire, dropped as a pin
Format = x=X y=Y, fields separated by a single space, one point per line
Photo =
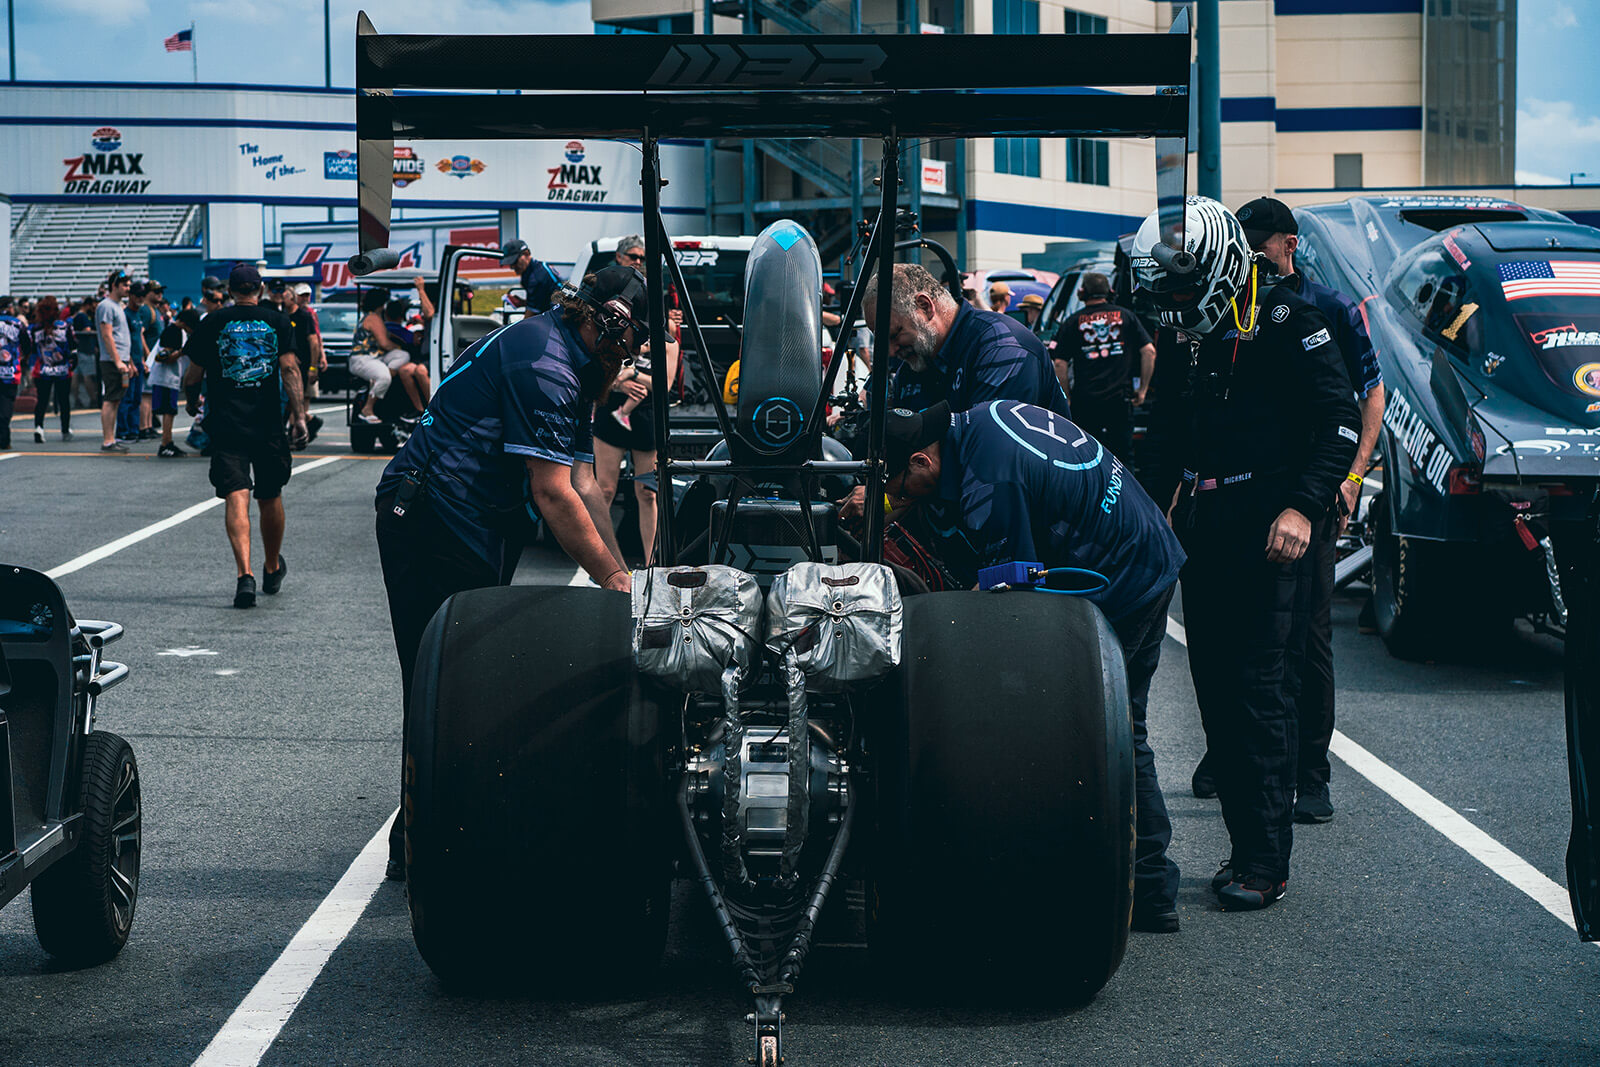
x=1005 y=798
x=537 y=823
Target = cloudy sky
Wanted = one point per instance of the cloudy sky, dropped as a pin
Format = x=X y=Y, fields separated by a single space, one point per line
x=280 y=42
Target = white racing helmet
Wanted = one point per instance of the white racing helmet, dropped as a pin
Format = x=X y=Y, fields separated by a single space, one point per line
x=1196 y=301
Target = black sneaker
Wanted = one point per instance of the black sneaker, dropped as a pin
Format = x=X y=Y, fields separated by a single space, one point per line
x=1155 y=922
x=1251 y=894
x=1313 y=806
x=272 y=581
x=66 y=435
x=313 y=427
x=395 y=870
x=244 y=594
x=1203 y=784
x=149 y=435
x=115 y=447
x=171 y=451
x=1223 y=876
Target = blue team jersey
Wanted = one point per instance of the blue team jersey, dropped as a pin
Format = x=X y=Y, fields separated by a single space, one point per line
x=1034 y=487
x=514 y=394
x=985 y=357
x=1349 y=332
x=13 y=332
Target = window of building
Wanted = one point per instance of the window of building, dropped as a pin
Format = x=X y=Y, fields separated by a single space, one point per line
x=665 y=24
x=1347 y=171
x=1017 y=155
x=1088 y=161
x=1016 y=16
x=1082 y=22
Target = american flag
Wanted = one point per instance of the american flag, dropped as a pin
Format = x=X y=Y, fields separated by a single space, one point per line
x=182 y=41
x=1555 y=277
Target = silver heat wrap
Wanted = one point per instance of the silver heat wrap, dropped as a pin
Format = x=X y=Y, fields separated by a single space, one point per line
x=690 y=624
x=840 y=622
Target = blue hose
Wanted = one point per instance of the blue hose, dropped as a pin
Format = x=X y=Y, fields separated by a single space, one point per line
x=1081 y=581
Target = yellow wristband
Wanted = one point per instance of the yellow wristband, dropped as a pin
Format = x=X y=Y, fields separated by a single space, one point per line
x=1353 y=477
x=887 y=506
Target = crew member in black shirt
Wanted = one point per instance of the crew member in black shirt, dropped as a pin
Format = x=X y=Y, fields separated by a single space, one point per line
x=1097 y=344
x=244 y=352
x=1263 y=432
x=539 y=282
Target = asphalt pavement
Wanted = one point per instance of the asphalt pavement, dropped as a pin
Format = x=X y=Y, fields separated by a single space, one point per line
x=268 y=742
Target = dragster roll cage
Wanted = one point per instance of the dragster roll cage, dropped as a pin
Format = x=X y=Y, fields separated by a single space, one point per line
x=647 y=87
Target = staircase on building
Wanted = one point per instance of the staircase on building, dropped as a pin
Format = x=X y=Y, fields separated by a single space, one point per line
x=68 y=250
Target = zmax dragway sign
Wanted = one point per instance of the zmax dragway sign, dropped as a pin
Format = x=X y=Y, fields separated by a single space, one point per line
x=106 y=171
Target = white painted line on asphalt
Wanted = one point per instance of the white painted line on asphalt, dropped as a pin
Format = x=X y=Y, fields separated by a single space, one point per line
x=260 y=1017
x=1445 y=819
x=1442 y=817
x=111 y=548
x=8 y=455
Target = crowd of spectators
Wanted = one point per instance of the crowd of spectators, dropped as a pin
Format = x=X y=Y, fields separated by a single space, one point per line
x=122 y=350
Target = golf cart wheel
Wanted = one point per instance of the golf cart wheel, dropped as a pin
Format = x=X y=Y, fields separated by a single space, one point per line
x=1005 y=797
x=83 y=906
x=363 y=438
x=538 y=833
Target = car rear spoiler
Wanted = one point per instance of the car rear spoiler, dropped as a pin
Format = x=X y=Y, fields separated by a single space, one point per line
x=647 y=86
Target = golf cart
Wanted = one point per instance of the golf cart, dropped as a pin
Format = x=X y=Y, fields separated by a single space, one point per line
x=70 y=812
x=774 y=710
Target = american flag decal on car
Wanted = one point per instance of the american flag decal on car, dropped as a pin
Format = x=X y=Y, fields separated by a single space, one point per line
x=1523 y=278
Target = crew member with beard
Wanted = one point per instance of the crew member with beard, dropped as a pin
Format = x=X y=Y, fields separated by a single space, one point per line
x=947 y=350
x=511 y=422
x=944 y=350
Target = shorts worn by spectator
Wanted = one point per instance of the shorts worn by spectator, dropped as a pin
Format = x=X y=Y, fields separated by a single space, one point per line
x=116 y=363
x=245 y=353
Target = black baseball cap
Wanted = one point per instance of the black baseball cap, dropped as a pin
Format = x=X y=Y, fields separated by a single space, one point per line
x=139 y=289
x=1265 y=216
x=622 y=284
x=244 y=278
x=511 y=250
x=277 y=285
x=908 y=432
x=211 y=284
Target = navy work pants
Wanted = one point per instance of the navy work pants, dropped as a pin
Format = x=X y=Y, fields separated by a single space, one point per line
x=1315 y=705
x=1155 y=875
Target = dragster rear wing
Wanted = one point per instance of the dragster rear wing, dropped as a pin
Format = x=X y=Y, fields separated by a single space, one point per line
x=647 y=87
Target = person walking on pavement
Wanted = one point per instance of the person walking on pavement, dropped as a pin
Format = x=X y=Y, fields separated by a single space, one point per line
x=1272 y=231
x=53 y=358
x=116 y=359
x=245 y=353
x=539 y=282
x=1265 y=429
x=1094 y=348
x=1030 y=485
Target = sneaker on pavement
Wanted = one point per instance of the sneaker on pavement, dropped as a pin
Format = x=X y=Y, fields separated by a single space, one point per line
x=171 y=451
x=150 y=434
x=272 y=581
x=116 y=447
x=1203 y=784
x=38 y=437
x=1252 y=893
x=395 y=870
x=244 y=594
x=1223 y=876
x=66 y=435
x=1313 y=806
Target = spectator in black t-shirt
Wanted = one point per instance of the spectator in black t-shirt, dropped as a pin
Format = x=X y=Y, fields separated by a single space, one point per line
x=1096 y=345
x=246 y=353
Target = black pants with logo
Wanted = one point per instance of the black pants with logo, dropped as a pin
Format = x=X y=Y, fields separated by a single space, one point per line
x=1247 y=621
x=424 y=564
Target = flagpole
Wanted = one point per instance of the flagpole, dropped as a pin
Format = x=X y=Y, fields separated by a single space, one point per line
x=194 y=57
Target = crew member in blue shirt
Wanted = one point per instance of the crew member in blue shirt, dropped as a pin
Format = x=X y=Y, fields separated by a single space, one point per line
x=539 y=282
x=1031 y=486
x=510 y=423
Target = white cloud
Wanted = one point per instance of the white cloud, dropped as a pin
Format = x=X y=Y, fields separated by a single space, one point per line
x=1533 y=177
x=1554 y=137
x=1562 y=18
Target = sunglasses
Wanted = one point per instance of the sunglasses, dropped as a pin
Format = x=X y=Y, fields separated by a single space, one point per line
x=634 y=257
